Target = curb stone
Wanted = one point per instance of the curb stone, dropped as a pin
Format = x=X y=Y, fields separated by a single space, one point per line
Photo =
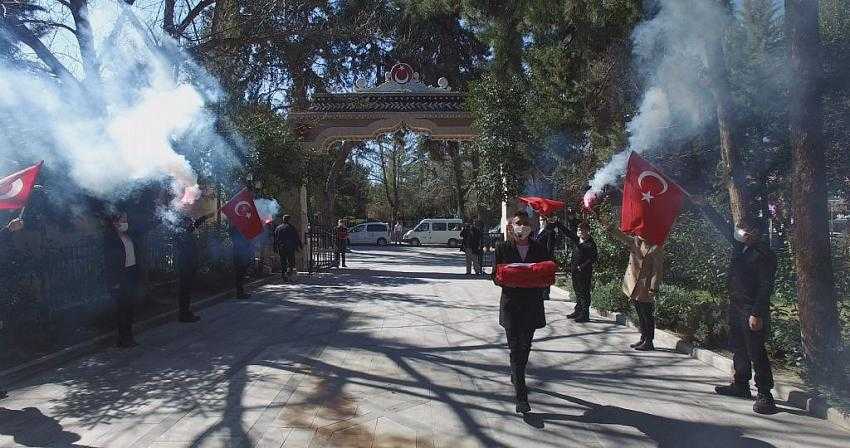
x=792 y=395
x=53 y=360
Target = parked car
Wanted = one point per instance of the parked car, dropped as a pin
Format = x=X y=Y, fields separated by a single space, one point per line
x=370 y=233
x=441 y=231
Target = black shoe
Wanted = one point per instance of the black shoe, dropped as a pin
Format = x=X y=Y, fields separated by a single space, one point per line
x=764 y=404
x=735 y=390
x=3 y=394
x=582 y=318
x=647 y=346
x=522 y=406
x=638 y=343
x=189 y=318
x=572 y=315
x=127 y=344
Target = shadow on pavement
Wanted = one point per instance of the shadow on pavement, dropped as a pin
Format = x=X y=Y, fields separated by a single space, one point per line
x=29 y=427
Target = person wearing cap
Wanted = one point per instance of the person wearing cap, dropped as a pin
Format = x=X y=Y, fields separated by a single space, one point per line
x=751 y=279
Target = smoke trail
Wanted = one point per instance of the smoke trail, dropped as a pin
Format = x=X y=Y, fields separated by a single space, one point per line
x=670 y=51
x=267 y=208
x=127 y=129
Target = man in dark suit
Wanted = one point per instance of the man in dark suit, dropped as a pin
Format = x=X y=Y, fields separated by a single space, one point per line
x=287 y=242
x=471 y=246
x=752 y=273
x=187 y=264
x=122 y=274
x=14 y=225
x=521 y=310
x=584 y=257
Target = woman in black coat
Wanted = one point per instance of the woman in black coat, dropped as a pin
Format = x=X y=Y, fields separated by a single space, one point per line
x=521 y=310
x=122 y=274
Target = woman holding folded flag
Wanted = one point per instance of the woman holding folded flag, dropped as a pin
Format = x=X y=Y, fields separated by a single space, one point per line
x=521 y=309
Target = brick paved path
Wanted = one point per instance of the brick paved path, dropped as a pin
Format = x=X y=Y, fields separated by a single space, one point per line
x=401 y=350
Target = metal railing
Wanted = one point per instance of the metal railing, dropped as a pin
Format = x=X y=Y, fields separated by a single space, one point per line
x=321 y=242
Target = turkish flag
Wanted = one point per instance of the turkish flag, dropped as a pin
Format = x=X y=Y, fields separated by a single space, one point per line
x=15 y=188
x=542 y=206
x=651 y=202
x=242 y=213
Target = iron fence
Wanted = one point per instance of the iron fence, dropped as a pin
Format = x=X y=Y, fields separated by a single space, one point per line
x=321 y=243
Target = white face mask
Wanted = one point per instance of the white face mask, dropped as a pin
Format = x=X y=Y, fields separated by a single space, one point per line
x=740 y=235
x=123 y=226
x=522 y=232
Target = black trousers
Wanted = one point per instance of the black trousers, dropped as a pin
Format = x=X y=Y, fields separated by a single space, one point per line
x=339 y=253
x=124 y=297
x=646 y=319
x=285 y=257
x=187 y=285
x=582 y=284
x=748 y=350
x=240 y=270
x=519 y=345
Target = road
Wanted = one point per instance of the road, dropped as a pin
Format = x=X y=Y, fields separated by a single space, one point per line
x=399 y=350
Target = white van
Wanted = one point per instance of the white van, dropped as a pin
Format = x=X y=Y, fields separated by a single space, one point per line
x=370 y=233
x=443 y=231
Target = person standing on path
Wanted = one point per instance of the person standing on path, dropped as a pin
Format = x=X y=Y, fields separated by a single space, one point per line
x=471 y=246
x=397 y=230
x=751 y=280
x=640 y=282
x=122 y=275
x=551 y=236
x=187 y=265
x=14 y=225
x=287 y=242
x=584 y=257
x=521 y=310
x=341 y=243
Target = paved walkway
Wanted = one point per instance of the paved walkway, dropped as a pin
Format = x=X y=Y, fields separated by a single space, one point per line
x=401 y=350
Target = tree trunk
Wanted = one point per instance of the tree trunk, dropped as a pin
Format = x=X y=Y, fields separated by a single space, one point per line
x=328 y=206
x=810 y=234
x=453 y=151
x=733 y=172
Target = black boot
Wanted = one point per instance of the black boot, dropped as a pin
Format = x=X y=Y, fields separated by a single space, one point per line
x=739 y=390
x=649 y=318
x=574 y=314
x=641 y=325
x=764 y=404
x=521 y=391
x=3 y=394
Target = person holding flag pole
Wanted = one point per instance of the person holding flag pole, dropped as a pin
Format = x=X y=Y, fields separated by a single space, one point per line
x=651 y=204
x=245 y=225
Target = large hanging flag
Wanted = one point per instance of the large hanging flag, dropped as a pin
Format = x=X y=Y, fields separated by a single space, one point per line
x=542 y=206
x=243 y=214
x=15 y=188
x=651 y=202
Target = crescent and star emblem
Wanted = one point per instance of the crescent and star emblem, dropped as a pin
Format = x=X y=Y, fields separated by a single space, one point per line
x=647 y=196
x=243 y=206
x=11 y=190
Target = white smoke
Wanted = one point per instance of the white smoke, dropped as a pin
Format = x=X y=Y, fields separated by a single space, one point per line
x=122 y=132
x=267 y=208
x=670 y=51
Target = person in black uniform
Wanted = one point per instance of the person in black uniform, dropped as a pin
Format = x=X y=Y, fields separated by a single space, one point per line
x=14 y=225
x=521 y=310
x=287 y=242
x=584 y=257
x=122 y=274
x=752 y=273
x=187 y=264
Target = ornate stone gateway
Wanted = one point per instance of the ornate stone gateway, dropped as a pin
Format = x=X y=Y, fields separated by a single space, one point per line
x=402 y=101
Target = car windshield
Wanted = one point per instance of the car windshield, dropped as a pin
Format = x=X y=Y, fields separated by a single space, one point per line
x=424 y=227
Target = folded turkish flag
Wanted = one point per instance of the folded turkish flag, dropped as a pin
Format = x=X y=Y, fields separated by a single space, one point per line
x=651 y=202
x=15 y=188
x=526 y=275
x=242 y=213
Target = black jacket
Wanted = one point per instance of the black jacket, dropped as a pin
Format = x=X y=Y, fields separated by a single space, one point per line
x=752 y=270
x=187 y=256
x=584 y=256
x=286 y=238
x=521 y=307
x=471 y=239
x=114 y=256
x=552 y=237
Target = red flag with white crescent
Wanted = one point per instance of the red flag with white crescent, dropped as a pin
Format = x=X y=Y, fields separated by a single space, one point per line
x=15 y=188
x=651 y=202
x=242 y=213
